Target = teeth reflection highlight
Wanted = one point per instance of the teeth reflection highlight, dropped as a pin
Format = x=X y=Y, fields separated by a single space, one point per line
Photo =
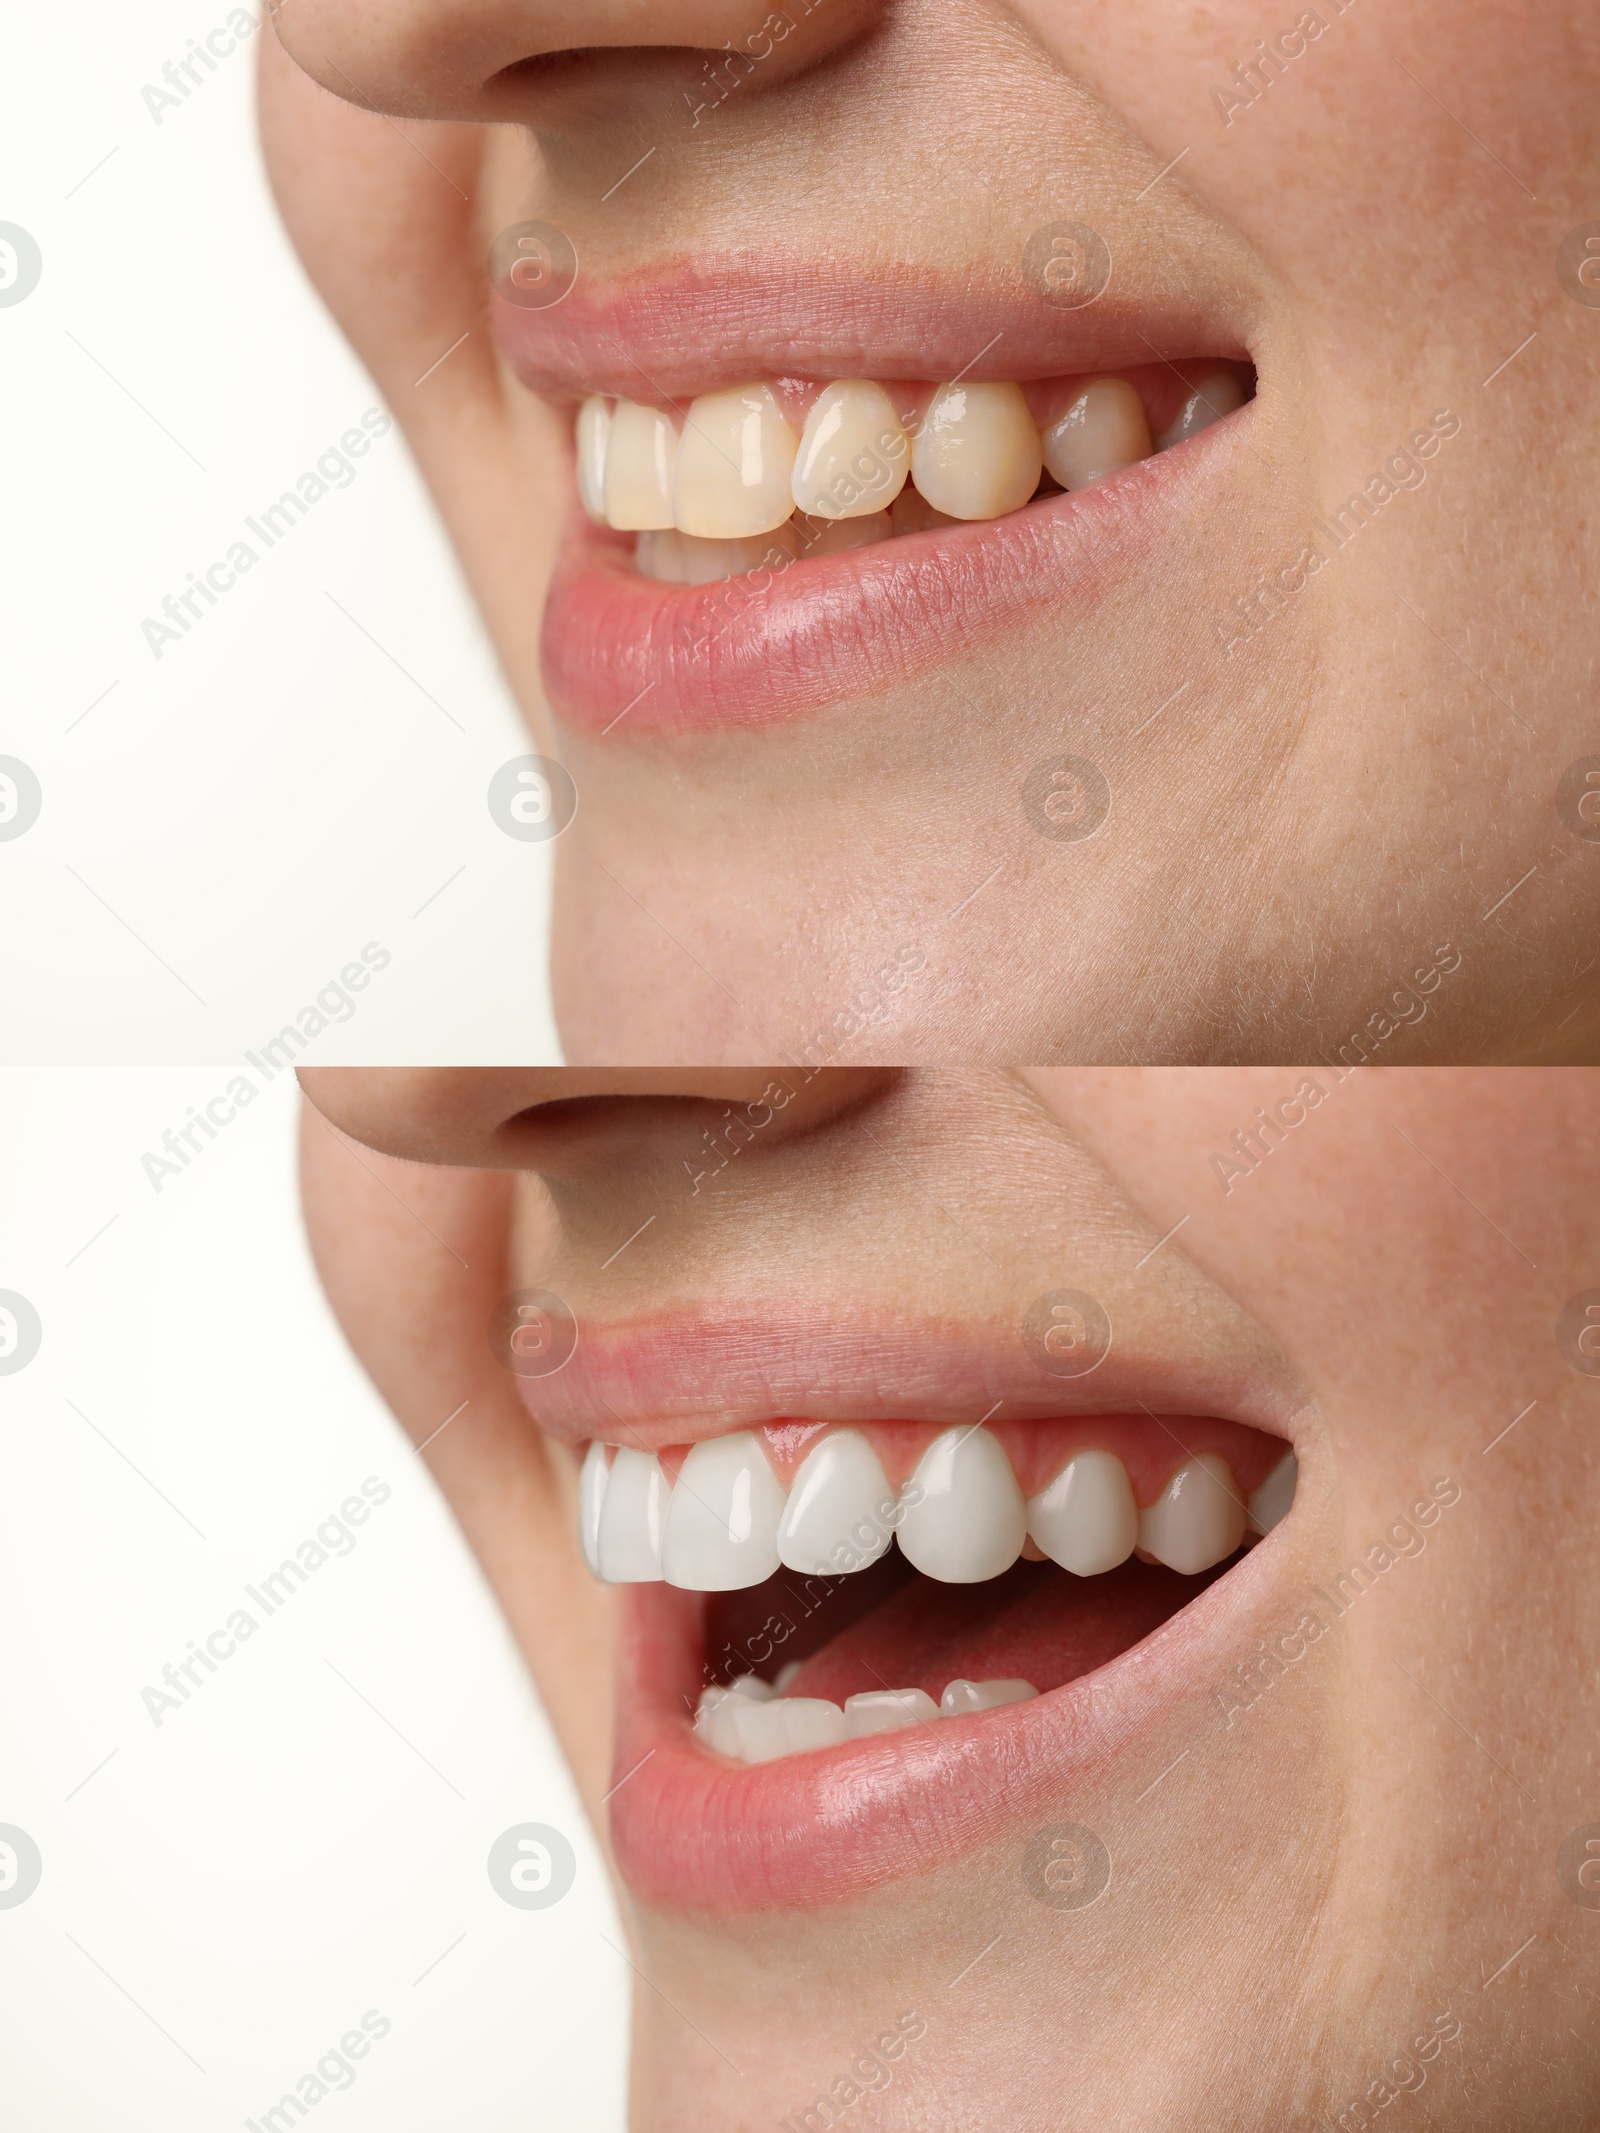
x=592 y=1479
x=976 y=452
x=735 y=465
x=1101 y=431
x=886 y=1711
x=730 y=1523
x=1217 y=394
x=641 y=454
x=841 y=1508
x=722 y=1525
x=632 y=1519
x=594 y=433
x=1086 y=1520
x=961 y=1698
x=1197 y=1520
x=968 y=1521
x=853 y=455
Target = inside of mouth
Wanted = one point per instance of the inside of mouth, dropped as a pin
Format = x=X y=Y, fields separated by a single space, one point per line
x=891 y=1628
x=789 y=470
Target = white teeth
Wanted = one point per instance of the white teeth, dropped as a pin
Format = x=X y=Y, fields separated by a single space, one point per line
x=818 y=536
x=758 y=1729
x=785 y=1675
x=964 y=1515
x=594 y=431
x=962 y=1697
x=641 y=453
x=633 y=1517
x=1103 y=430
x=592 y=1477
x=853 y=457
x=1197 y=1519
x=722 y=1526
x=1215 y=396
x=734 y=465
x=1271 y=1501
x=752 y=1686
x=1086 y=1520
x=976 y=453
x=841 y=1509
x=886 y=1711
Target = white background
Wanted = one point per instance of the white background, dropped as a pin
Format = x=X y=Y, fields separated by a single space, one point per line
x=277 y=789
x=273 y=1860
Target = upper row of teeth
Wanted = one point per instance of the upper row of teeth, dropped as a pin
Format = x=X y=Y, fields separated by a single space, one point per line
x=728 y=1522
x=733 y=468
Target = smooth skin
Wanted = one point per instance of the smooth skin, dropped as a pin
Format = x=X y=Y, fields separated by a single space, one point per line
x=1312 y=813
x=1306 y=1890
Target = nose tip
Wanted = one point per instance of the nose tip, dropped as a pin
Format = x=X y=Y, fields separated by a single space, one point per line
x=487 y=1118
x=470 y=59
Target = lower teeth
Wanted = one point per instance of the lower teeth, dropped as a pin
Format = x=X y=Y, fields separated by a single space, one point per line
x=753 y=1721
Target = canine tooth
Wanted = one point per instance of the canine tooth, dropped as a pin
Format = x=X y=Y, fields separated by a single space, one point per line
x=703 y=562
x=734 y=465
x=911 y=513
x=840 y=1500
x=592 y=1478
x=886 y=1711
x=632 y=1519
x=969 y=1521
x=976 y=453
x=1086 y=1520
x=1102 y=430
x=962 y=1697
x=659 y=554
x=641 y=453
x=1215 y=396
x=594 y=432
x=722 y=1525
x=820 y=536
x=1271 y=1501
x=762 y=1734
x=852 y=457
x=1197 y=1520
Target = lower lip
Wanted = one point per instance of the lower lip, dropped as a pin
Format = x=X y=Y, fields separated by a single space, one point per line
x=626 y=656
x=692 y=1831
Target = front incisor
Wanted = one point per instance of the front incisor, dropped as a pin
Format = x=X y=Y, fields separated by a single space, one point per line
x=735 y=465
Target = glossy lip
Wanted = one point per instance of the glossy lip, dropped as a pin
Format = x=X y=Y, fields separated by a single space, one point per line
x=630 y=658
x=695 y=1832
x=692 y=1830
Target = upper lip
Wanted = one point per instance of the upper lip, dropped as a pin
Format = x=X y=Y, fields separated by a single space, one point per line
x=674 y=330
x=681 y=1377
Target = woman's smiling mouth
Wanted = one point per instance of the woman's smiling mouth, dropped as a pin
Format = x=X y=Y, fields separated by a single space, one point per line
x=894 y=1617
x=792 y=491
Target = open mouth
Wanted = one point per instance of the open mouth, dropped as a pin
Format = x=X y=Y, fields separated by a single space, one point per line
x=837 y=1633
x=863 y=1581
x=764 y=529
